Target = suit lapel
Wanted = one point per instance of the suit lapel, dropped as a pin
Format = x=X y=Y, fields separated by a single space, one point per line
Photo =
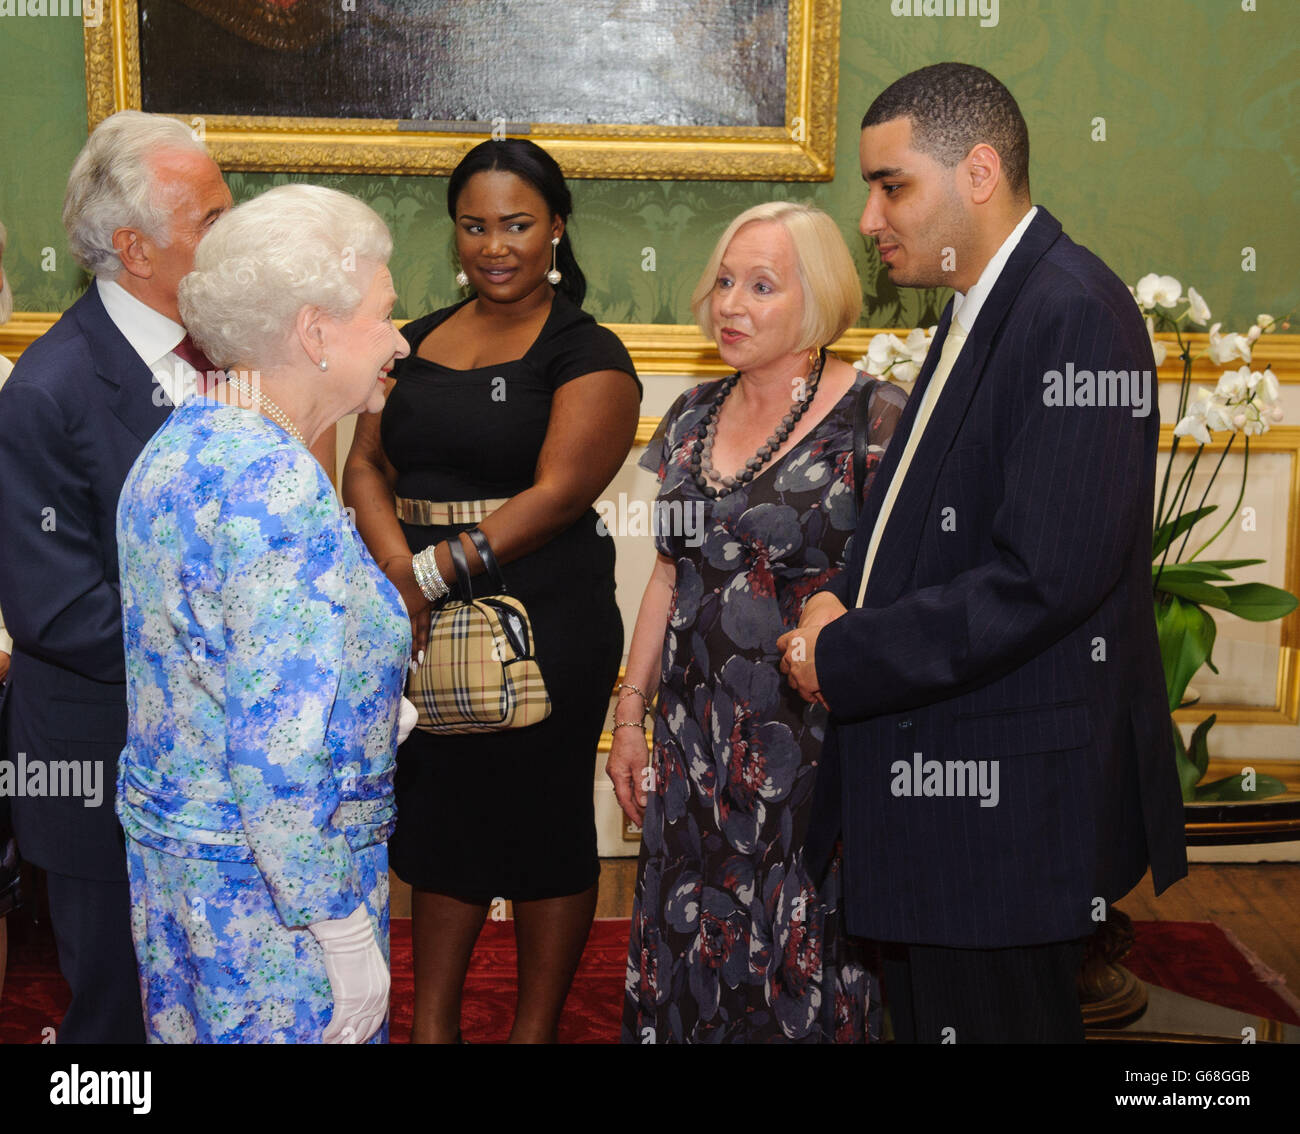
x=137 y=401
x=901 y=539
x=875 y=497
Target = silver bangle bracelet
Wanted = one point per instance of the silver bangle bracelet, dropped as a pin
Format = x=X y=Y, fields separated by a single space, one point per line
x=427 y=576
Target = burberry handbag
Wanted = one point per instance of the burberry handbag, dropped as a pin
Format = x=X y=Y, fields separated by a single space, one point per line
x=479 y=672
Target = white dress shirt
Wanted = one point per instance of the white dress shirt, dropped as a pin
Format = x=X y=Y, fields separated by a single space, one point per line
x=965 y=310
x=152 y=336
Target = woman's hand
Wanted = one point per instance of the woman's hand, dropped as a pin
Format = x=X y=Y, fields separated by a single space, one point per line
x=358 y=976
x=408 y=716
x=628 y=769
x=402 y=575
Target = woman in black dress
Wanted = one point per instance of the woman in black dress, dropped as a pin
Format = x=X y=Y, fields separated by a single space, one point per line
x=519 y=402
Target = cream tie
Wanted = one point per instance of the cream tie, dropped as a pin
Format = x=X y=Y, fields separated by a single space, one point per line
x=952 y=345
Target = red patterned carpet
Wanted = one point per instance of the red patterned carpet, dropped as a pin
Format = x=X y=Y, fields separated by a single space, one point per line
x=1195 y=958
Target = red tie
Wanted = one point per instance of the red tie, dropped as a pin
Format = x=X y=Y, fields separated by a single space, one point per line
x=209 y=375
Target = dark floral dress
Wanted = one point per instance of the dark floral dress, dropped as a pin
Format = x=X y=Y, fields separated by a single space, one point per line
x=732 y=942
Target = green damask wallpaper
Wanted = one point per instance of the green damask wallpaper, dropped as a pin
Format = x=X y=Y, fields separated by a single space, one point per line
x=1200 y=99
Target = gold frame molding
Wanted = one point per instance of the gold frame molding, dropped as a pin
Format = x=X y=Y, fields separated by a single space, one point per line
x=802 y=150
x=680 y=348
x=1285 y=709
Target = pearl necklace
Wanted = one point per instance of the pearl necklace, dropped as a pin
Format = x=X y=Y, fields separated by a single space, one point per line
x=702 y=454
x=274 y=412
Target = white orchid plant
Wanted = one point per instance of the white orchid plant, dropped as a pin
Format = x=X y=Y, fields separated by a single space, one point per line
x=901 y=360
x=1244 y=404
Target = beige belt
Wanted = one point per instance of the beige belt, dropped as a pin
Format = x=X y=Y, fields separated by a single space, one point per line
x=437 y=513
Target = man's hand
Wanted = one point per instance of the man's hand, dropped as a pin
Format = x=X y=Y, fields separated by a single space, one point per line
x=822 y=608
x=799 y=647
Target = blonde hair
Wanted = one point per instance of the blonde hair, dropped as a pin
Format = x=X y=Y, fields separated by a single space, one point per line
x=832 y=292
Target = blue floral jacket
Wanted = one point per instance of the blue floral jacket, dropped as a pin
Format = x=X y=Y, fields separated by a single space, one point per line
x=265 y=659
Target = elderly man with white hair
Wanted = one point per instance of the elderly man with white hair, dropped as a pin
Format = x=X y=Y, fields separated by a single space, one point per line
x=80 y=405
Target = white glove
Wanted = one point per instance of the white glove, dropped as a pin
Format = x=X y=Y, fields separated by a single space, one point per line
x=358 y=977
x=407 y=715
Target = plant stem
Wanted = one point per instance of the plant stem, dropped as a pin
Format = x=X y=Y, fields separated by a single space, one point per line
x=1184 y=388
x=1188 y=533
x=1245 y=466
x=1184 y=486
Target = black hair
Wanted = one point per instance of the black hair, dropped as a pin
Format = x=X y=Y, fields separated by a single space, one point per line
x=953 y=107
x=527 y=160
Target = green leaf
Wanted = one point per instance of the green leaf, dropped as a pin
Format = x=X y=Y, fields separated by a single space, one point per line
x=1229 y=790
x=1224 y=564
x=1259 y=602
x=1186 y=635
x=1188 y=773
x=1198 y=751
x=1165 y=534
x=1195 y=570
x=1196 y=592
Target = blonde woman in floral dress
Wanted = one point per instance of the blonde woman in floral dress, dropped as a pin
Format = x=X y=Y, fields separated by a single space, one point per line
x=735 y=939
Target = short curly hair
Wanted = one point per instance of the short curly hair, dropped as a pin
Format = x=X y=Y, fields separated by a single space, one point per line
x=953 y=107
x=264 y=261
x=832 y=292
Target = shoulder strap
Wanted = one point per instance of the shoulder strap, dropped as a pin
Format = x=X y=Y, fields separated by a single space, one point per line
x=485 y=553
x=861 y=434
x=462 y=568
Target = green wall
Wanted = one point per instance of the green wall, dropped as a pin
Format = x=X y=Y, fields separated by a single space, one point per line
x=1202 y=122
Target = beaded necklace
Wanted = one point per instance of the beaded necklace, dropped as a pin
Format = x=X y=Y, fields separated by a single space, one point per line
x=702 y=453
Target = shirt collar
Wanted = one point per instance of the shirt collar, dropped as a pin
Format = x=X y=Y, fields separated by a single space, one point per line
x=151 y=334
x=966 y=308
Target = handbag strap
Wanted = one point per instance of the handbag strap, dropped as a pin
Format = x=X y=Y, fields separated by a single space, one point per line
x=461 y=564
x=861 y=439
x=485 y=553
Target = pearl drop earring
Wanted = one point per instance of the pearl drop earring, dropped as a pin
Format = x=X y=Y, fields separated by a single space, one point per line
x=462 y=280
x=324 y=365
x=553 y=277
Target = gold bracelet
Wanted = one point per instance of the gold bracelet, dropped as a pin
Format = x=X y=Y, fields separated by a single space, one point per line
x=629 y=685
x=629 y=724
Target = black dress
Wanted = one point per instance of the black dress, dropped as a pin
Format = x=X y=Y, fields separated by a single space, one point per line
x=509 y=814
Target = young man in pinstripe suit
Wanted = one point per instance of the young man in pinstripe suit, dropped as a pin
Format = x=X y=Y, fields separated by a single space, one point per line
x=994 y=625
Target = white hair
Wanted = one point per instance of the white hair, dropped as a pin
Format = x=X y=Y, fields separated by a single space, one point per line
x=6 y=292
x=111 y=186
x=261 y=263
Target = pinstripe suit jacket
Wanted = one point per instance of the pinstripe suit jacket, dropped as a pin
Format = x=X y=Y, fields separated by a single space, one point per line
x=74 y=416
x=1008 y=619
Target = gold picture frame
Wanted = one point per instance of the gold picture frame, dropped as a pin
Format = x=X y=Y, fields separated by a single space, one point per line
x=1285 y=709
x=801 y=150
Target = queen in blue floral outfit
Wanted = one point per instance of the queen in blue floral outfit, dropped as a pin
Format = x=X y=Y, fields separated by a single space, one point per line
x=265 y=651
x=733 y=939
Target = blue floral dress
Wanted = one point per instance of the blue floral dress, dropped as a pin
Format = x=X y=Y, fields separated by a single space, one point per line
x=732 y=941
x=265 y=658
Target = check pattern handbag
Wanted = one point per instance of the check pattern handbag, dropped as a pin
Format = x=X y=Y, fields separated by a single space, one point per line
x=479 y=672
